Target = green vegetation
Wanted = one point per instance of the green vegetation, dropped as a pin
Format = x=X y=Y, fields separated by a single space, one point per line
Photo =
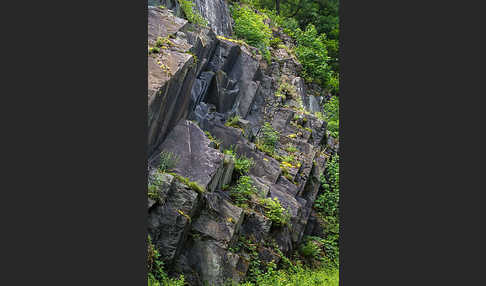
x=154 y=186
x=233 y=122
x=153 y=192
x=153 y=50
x=286 y=90
x=275 y=212
x=163 y=42
x=291 y=148
x=314 y=29
x=254 y=269
x=250 y=26
x=267 y=142
x=168 y=161
x=242 y=191
x=312 y=53
x=327 y=204
x=193 y=185
x=216 y=141
x=310 y=249
x=155 y=269
x=300 y=276
x=243 y=164
x=187 y=7
x=314 y=25
x=331 y=109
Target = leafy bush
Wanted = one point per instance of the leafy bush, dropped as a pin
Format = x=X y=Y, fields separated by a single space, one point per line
x=312 y=53
x=275 y=42
x=286 y=90
x=251 y=27
x=310 y=249
x=168 y=161
x=275 y=212
x=328 y=202
x=191 y=16
x=243 y=164
x=268 y=138
x=242 y=191
x=155 y=269
x=331 y=110
x=299 y=276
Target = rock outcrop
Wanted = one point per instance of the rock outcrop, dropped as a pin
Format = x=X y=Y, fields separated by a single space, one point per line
x=197 y=82
x=216 y=12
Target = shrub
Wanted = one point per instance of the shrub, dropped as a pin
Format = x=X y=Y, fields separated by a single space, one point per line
x=193 y=17
x=299 y=276
x=155 y=269
x=275 y=42
x=168 y=161
x=310 y=249
x=328 y=202
x=275 y=212
x=243 y=164
x=286 y=90
x=251 y=27
x=242 y=191
x=331 y=110
x=312 y=53
x=268 y=139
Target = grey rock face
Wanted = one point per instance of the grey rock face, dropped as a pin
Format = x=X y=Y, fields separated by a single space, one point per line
x=256 y=226
x=168 y=224
x=173 y=71
x=216 y=12
x=206 y=263
x=162 y=183
x=219 y=220
x=197 y=161
x=228 y=166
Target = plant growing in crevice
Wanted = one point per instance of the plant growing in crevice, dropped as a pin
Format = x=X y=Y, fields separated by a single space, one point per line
x=275 y=212
x=243 y=164
x=233 y=122
x=187 y=7
x=192 y=185
x=243 y=190
x=168 y=161
x=268 y=139
x=217 y=142
x=156 y=275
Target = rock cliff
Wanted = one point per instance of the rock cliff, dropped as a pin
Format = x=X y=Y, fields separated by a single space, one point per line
x=197 y=82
